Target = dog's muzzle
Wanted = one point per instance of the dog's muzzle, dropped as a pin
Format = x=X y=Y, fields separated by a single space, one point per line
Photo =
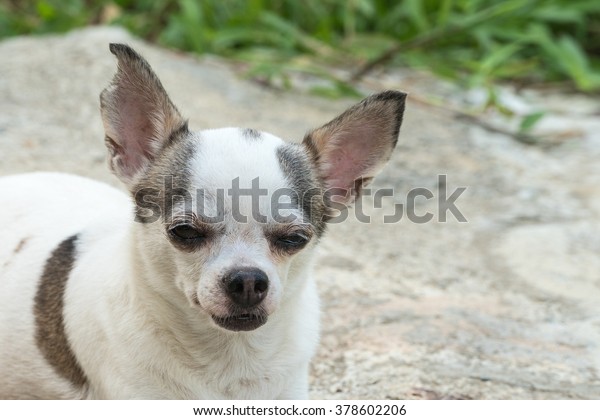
x=246 y=288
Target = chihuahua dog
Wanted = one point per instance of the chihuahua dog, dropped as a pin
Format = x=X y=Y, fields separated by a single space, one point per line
x=191 y=286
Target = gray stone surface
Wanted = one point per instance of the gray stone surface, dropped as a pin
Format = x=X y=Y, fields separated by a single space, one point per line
x=505 y=306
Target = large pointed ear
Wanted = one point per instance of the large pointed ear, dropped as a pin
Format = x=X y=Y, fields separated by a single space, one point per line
x=139 y=118
x=351 y=149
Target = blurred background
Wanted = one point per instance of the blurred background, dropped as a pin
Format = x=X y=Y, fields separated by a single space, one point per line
x=336 y=44
x=503 y=100
x=474 y=42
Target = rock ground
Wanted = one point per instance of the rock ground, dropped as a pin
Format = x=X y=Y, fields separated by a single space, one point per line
x=504 y=306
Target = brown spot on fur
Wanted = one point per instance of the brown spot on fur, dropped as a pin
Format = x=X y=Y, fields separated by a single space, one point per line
x=251 y=134
x=51 y=337
x=17 y=249
x=20 y=245
x=195 y=299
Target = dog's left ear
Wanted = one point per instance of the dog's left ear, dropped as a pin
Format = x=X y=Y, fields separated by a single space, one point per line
x=351 y=149
x=139 y=118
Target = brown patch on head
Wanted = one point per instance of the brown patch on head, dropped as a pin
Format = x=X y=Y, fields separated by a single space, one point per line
x=251 y=134
x=167 y=181
x=308 y=192
x=51 y=337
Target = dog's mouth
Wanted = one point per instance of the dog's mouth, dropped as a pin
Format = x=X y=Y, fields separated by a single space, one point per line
x=241 y=322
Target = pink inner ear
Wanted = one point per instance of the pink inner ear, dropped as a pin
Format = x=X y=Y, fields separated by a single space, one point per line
x=352 y=155
x=137 y=132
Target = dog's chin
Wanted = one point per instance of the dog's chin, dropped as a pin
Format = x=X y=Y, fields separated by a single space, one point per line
x=241 y=322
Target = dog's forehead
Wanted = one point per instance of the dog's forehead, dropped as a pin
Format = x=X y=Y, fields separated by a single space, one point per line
x=231 y=171
x=226 y=154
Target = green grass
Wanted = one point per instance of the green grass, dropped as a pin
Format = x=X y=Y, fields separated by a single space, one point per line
x=475 y=42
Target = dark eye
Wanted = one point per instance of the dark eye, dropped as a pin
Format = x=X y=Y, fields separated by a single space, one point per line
x=186 y=233
x=293 y=241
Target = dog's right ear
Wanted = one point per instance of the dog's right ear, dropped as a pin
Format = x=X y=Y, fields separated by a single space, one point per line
x=139 y=118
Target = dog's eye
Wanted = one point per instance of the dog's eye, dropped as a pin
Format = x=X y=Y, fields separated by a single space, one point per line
x=187 y=233
x=293 y=241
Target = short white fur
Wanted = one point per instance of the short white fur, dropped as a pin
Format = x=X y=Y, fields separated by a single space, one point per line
x=139 y=311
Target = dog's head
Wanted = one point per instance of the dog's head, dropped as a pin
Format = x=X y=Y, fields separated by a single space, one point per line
x=230 y=216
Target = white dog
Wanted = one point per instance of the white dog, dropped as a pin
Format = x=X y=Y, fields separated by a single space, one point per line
x=193 y=286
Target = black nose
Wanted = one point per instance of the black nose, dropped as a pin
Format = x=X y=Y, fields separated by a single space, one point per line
x=246 y=287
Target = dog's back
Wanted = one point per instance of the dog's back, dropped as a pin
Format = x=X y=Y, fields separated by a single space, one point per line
x=39 y=212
